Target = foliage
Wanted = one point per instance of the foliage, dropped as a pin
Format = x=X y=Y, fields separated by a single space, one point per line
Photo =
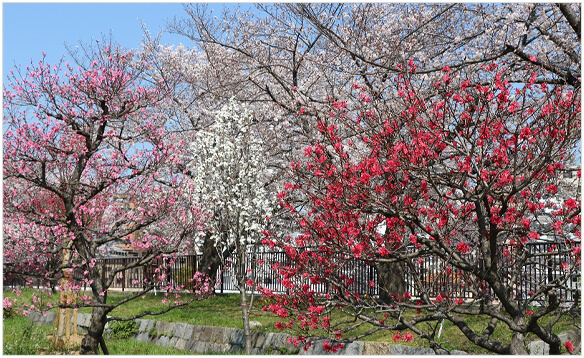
x=423 y=128
x=223 y=311
x=123 y=329
x=22 y=337
x=153 y=332
x=279 y=58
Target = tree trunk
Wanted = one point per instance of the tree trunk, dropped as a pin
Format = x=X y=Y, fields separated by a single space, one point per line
x=391 y=280
x=517 y=345
x=241 y=278
x=94 y=337
x=210 y=260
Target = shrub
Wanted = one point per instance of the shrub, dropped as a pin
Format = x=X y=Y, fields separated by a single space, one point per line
x=123 y=329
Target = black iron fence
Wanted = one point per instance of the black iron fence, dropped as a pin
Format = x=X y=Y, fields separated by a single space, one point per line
x=429 y=274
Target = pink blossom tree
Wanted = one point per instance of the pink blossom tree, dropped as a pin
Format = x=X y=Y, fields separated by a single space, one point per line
x=467 y=173
x=88 y=162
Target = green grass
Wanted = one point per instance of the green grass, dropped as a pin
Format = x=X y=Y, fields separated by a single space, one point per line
x=221 y=310
x=21 y=337
x=224 y=311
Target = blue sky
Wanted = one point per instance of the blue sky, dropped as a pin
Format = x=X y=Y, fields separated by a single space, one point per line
x=29 y=28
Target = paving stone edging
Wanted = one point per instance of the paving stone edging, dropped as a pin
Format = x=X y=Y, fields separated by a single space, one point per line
x=206 y=339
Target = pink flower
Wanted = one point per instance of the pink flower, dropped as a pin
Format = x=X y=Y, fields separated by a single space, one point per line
x=396 y=337
x=533 y=59
x=7 y=303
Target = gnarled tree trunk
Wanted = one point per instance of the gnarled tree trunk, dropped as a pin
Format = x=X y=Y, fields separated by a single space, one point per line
x=391 y=280
x=94 y=337
x=210 y=260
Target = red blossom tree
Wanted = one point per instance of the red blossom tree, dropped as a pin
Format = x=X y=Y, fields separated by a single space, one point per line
x=87 y=162
x=466 y=176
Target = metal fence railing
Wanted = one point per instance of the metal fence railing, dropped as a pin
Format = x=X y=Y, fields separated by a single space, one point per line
x=430 y=274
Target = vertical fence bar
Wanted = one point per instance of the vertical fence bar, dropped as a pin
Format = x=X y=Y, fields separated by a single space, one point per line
x=222 y=279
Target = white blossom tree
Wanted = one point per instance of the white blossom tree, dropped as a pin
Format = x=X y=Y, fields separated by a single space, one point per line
x=230 y=178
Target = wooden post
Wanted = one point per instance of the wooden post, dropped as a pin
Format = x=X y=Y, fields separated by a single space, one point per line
x=62 y=332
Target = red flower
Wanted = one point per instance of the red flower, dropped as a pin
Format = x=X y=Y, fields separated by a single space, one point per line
x=570 y=203
x=533 y=235
x=407 y=337
x=463 y=247
x=396 y=337
x=365 y=98
x=569 y=346
x=383 y=251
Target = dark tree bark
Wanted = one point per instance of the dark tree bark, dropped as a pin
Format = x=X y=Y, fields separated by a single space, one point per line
x=94 y=337
x=391 y=280
x=210 y=260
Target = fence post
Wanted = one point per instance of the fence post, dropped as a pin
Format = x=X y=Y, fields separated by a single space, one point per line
x=550 y=271
x=124 y=276
x=103 y=271
x=222 y=281
x=371 y=277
